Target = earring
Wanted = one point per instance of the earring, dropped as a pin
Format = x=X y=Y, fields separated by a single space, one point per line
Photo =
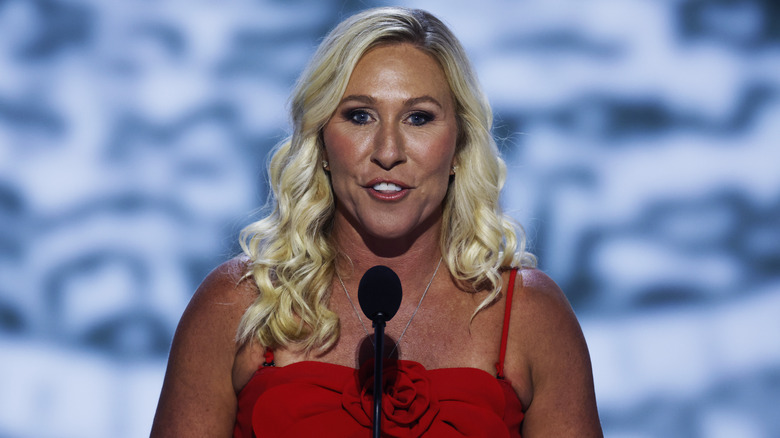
x=325 y=164
x=453 y=169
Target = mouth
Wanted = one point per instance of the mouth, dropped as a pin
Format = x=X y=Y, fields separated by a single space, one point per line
x=386 y=187
x=387 y=190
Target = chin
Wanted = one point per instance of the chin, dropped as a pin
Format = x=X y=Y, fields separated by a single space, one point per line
x=405 y=227
x=389 y=233
x=394 y=231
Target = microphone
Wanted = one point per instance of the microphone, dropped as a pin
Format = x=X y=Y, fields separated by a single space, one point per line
x=379 y=294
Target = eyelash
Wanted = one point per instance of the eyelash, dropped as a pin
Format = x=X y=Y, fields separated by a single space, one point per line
x=427 y=116
x=352 y=115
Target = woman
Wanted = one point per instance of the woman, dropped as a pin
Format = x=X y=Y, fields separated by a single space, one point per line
x=390 y=163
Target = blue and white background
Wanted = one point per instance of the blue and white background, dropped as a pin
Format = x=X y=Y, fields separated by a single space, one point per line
x=642 y=138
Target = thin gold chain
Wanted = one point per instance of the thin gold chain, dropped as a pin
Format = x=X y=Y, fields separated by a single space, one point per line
x=425 y=292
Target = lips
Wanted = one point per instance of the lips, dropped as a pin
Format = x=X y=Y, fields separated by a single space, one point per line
x=387 y=187
x=387 y=190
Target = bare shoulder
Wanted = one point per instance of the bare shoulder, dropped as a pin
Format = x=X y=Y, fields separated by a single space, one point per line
x=219 y=302
x=550 y=356
x=542 y=322
x=540 y=312
x=541 y=302
x=227 y=285
x=198 y=396
x=533 y=283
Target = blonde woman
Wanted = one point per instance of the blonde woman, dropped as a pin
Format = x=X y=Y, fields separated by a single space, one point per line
x=391 y=162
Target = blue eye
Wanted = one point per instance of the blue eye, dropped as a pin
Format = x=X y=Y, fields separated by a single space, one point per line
x=360 y=117
x=420 y=118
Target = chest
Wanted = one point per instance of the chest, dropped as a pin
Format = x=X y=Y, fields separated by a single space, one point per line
x=437 y=333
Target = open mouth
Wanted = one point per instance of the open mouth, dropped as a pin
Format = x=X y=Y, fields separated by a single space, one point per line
x=386 y=187
x=387 y=190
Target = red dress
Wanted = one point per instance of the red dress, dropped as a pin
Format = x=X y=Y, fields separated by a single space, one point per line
x=326 y=400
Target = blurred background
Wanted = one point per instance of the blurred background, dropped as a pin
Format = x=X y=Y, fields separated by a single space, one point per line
x=641 y=138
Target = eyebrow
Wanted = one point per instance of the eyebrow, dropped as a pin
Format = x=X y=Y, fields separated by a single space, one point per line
x=425 y=98
x=362 y=98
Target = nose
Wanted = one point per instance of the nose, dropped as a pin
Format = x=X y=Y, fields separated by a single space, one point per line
x=389 y=150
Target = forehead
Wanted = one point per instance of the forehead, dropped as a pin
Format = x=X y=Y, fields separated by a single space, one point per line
x=399 y=69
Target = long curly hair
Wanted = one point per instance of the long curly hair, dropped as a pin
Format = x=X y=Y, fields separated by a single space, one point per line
x=292 y=256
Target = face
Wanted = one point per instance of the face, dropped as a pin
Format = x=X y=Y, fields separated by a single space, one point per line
x=390 y=144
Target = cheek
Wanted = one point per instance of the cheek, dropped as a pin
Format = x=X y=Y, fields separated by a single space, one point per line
x=445 y=151
x=341 y=146
x=329 y=139
x=339 y=151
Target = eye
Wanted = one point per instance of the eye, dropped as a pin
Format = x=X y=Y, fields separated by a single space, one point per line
x=419 y=118
x=360 y=117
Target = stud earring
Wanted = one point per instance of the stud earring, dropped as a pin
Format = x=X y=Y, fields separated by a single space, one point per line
x=325 y=164
x=453 y=169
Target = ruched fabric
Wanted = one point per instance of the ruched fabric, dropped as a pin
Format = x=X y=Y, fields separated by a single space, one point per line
x=326 y=400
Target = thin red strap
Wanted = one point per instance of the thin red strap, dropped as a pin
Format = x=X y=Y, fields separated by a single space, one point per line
x=505 y=330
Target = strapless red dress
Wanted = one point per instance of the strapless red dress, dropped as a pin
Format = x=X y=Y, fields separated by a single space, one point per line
x=325 y=400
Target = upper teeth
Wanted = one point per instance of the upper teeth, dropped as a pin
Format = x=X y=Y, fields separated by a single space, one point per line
x=382 y=187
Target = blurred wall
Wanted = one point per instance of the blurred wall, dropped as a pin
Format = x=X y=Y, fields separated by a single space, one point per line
x=641 y=138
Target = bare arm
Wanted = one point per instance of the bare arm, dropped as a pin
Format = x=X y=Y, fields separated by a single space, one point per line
x=551 y=355
x=198 y=397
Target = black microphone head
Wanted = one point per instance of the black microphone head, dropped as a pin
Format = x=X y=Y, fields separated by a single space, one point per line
x=379 y=293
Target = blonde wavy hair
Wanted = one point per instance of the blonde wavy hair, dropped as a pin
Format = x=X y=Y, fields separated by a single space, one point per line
x=292 y=256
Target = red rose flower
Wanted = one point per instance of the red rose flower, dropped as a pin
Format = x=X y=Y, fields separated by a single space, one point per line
x=408 y=406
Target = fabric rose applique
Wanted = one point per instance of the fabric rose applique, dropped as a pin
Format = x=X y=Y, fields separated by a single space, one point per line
x=408 y=405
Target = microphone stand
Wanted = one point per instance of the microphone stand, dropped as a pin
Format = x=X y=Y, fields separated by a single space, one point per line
x=379 y=341
x=380 y=297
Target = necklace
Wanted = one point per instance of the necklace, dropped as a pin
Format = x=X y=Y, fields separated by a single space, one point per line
x=425 y=292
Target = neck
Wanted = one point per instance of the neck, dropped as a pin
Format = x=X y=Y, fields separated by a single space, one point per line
x=413 y=257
